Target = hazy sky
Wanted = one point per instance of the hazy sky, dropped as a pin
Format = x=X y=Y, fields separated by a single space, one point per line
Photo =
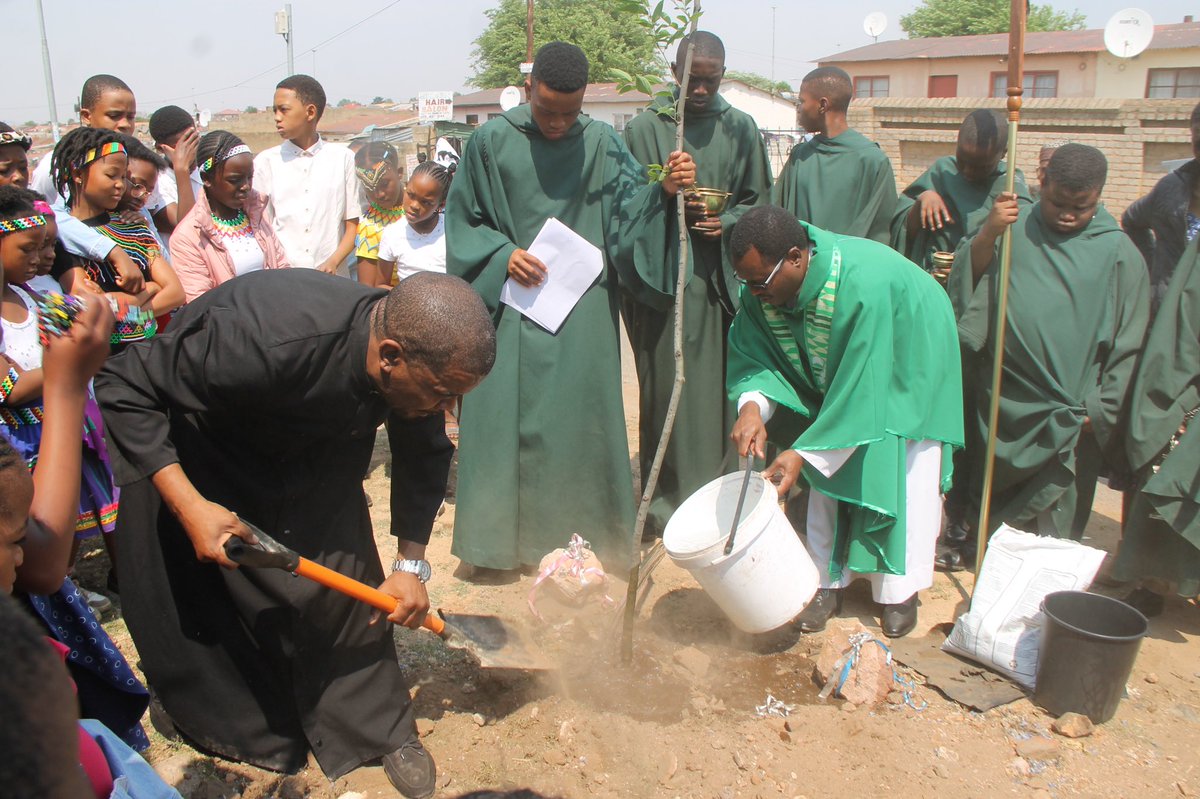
x=224 y=53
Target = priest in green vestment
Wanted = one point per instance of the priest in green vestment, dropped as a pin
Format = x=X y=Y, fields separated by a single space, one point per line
x=1161 y=541
x=847 y=350
x=951 y=199
x=1078 y=306
x=839 y=180
x=730 y=156
x=543 y=451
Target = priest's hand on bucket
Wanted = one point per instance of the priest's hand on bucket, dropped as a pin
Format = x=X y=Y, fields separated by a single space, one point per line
x=784 y=471
x=412 y=601
x=749 y=433
x=681 y=173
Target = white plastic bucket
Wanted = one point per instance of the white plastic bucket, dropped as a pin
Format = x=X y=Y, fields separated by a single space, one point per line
x=768 y=578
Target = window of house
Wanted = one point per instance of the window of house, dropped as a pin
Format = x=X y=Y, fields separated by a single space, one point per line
x=871 y=86
x=621 y=120
x=472 y=119
x=1173 y=83
x=494 y=116
x=1034 y=84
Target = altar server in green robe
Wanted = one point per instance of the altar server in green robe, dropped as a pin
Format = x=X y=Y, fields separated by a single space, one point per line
x=848 y=350
x=1161 y=541
x=543 y=452
x=1078 y=305
x=730 y=157
x=953 y=197
x=839 y=180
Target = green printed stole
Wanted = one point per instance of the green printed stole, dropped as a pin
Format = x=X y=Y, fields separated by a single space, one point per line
x=818 y=321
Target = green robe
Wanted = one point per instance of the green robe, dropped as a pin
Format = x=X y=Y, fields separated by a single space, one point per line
x=543 y=452
x=1077 y=313
x=891 y=376
x=729 y=155
x=1162 y=529
x=844 y=185
x=968 y=204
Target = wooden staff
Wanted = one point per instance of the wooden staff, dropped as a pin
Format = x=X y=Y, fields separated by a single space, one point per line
x=1016 y=59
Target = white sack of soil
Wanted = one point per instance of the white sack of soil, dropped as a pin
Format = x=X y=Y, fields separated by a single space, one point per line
x=1003 y=628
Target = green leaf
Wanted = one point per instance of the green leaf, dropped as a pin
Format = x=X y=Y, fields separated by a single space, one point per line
x=620 y=75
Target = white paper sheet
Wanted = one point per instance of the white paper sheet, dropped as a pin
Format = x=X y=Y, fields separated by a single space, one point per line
x=572 y=265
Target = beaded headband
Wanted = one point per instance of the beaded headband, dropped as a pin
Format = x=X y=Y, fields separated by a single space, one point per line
x=24 y=223
x=110 y=148
x=16 y=137
x=43 y=208
x=236 y=149
x=371 y=176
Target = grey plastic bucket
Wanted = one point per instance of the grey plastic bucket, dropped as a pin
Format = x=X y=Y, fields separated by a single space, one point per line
x=1089 y=643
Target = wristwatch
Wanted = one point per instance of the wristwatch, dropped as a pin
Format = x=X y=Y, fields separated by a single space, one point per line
x=420 y=568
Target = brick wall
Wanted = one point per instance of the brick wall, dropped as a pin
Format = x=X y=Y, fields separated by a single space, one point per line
x=1135 y=135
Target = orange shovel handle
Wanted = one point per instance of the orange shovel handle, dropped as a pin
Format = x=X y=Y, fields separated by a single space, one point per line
x=360 y=591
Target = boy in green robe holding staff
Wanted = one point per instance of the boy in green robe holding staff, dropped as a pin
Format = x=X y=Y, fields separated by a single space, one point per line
x=1161 y=541
x=1078 y=305
x=848 y=350
x=542 y=451
x=839 y=180
x=730 y=157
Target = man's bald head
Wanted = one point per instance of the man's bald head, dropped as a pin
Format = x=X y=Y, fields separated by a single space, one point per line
x=833 y=84
x=439 y=321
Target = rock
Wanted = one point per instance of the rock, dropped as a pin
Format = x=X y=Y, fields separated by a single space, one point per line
x=1183 y=789
x=424 y=727
x=942 y=753
x=785 y=736
x=293 y=787
x=1073 y=725
x=895 y=698
x=444 y=779
x=1038 y=748
x=727 y=793
x=566 y=732
x=1019 y=767
x=352 y=795
x=533 y=713
x=478 y=719
x=1151 y=678
x=569 y=586
x=870 y=681
x=940 y=770
x=693 y=661
x=740 y=761
x=174 y=770
x=668 y=764
x=849 y=707
x=555 y=757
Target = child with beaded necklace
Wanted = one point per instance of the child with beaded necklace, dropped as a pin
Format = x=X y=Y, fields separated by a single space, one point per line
x=224 y=235
x=378 y=168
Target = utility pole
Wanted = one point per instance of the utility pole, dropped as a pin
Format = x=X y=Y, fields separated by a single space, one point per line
x=773 y=49
x=529 y=31
x=49 y=76
x=283 y=26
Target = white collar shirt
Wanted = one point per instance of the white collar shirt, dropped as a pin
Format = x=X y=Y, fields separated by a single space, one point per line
x=310 y=196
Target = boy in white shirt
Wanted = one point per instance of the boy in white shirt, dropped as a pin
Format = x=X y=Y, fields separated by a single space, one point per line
x=312 y=192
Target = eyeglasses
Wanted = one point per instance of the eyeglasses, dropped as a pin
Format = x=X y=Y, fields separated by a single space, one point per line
x=763 y=284
x=136 y=190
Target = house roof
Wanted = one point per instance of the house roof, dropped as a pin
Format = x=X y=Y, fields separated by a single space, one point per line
x=1166 y=37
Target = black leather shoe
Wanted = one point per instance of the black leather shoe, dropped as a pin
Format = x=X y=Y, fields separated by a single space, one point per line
x=948 y=557
x=900 y=619
x=411 y=770
x=826 y=604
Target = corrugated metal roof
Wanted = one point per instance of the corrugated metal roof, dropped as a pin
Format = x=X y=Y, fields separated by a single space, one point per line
x=1166 y=37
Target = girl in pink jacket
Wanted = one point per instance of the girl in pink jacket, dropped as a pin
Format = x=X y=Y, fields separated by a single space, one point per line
x=224 y=235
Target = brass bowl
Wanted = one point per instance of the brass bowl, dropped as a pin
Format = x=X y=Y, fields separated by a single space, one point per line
x=714 y=200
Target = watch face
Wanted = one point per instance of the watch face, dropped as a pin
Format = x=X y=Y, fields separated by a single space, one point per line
x=424 y=571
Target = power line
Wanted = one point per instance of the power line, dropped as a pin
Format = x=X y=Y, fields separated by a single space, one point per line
x=269 y=70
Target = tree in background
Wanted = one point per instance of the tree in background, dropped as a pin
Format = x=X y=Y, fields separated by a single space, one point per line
x=251 y=109
x=970 y=17
x=759 y=81
x=345 y=101
x=609 y=37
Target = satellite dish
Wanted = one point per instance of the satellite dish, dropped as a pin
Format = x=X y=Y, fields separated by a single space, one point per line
x=510 y=98
x=205 y=118
x=875 y=24
x=1128 y=33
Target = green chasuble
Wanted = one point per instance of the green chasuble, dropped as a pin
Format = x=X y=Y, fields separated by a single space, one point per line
x=866 y=357
x=968 y=204
x=1077 y=313
x=844 y=185
x=730 y=156
x=543 y=452
x=1162 y=529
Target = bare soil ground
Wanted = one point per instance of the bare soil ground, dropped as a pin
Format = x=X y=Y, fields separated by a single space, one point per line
x=661 y=728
